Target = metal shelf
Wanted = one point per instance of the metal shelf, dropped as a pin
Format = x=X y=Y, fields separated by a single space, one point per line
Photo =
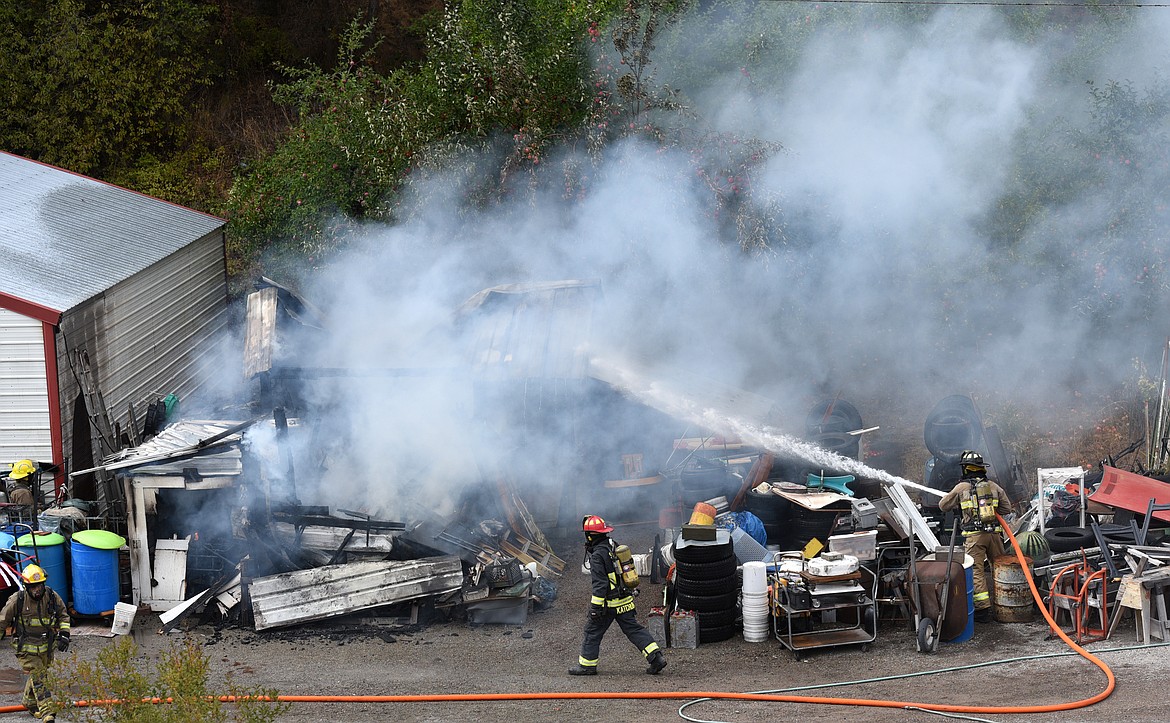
x=812 y=613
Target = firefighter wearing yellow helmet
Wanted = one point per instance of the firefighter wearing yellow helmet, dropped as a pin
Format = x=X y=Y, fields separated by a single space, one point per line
x=612 y=600
x=21 y=475
x=38 y=622
x=979 y=500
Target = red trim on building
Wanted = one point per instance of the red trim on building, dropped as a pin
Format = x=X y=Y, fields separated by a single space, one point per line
x=31 y=309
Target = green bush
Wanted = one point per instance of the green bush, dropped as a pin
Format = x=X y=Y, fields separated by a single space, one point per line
x=114 y=687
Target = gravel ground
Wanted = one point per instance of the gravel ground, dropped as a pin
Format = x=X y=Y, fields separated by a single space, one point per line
x=445 y=657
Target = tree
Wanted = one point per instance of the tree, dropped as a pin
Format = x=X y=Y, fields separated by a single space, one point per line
x=96 y=87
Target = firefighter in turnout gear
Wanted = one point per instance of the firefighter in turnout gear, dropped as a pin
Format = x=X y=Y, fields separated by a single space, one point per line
x=611 y=601
x=22 y=474
x=979 y=499
x=38 y=621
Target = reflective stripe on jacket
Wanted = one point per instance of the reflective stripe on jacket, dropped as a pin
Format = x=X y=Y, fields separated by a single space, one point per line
x=607 y=590
x=37 y=622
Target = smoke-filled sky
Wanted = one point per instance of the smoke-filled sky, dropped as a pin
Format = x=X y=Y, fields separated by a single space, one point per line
x=934 y=231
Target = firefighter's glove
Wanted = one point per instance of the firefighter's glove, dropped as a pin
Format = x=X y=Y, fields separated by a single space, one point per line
x=63 y=640
x=596 y=612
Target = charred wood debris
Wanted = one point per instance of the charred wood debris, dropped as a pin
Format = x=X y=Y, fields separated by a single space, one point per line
x=250 y=555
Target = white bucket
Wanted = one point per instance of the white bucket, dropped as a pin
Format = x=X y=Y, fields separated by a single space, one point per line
x=755 y=577
x=124 y=617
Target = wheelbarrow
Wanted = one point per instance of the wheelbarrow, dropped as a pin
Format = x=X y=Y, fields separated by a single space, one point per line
x=935 y=587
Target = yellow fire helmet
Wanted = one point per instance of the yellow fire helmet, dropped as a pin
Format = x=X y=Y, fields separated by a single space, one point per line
x=33 y=574
x=22 y=469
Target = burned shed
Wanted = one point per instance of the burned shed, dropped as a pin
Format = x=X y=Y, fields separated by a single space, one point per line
x=110 y=301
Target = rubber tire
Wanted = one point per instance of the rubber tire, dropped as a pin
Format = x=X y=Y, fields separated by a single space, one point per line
x=707 y=603
x=715 y=635
x=715 y=586
x=705 y=570
x=717 y=618
x=1067 y=539
x=696 y=554
x=926 y=635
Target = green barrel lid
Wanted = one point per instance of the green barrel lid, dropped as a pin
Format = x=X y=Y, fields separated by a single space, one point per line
x=99 y=539
x=42 y=540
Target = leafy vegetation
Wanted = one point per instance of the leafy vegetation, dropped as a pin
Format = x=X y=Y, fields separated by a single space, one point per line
x=117 y=688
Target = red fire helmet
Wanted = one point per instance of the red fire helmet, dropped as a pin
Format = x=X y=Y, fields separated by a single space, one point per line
x=593 y=523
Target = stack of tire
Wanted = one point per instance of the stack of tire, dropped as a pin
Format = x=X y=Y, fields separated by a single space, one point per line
x=706 y=582
x=773 y=510
x=704 y=483
x=828 y=425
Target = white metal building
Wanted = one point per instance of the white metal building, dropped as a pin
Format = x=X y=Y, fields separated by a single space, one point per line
x=87 y=269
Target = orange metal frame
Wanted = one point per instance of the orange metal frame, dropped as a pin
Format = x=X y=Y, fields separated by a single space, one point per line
x=1074 y=584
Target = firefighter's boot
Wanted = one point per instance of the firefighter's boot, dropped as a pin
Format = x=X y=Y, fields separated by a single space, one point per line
x=657 y=662
x=579 y=669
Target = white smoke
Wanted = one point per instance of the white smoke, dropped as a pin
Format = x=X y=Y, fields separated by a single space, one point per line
x=903 y=132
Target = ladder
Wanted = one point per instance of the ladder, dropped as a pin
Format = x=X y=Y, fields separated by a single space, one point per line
x=101 y=430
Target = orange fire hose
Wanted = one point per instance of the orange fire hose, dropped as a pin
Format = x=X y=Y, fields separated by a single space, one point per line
x=718 y=695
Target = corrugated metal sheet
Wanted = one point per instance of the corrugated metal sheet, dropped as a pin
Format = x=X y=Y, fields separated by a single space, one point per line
x=171 y=450
x=152 y=334
x=530 y=331
x=24 y=403
x=65 y=238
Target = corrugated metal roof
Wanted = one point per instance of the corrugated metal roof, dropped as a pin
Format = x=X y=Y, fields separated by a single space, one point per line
x=65 y=238
x=530 y=331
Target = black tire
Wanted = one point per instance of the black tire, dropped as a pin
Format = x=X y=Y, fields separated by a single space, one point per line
x=706 y=570
x=832 y=415
x=703 y=478
x=776 y=534
x=716 y=586
x=926 y=635
x=704 y=553
x=954 y=425
x=707 y=603
x=767 y=506
x=1067 y=539
x=717 y=619
x=715 y=635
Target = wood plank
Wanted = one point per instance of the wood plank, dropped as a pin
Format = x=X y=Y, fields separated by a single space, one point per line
x=323 y=592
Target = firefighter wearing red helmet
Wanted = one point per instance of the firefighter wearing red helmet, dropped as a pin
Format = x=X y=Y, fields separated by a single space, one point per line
x=38 y=621
x=979 y=500
x=611 y=601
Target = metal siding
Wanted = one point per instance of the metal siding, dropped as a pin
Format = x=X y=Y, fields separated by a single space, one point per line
x=155 y=333
x=24 y=395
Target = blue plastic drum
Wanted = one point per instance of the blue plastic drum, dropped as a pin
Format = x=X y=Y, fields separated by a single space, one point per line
x=95 y=571
x=49 y=552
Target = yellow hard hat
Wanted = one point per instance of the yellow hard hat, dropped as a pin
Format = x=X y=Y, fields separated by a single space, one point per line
x=22 y=469
x=33 y=574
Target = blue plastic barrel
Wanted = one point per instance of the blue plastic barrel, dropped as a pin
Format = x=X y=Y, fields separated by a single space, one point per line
x=50 y=555
x=969 y=631
x=94 y=556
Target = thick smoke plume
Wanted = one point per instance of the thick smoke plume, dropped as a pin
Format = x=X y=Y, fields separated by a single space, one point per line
x=933 y=234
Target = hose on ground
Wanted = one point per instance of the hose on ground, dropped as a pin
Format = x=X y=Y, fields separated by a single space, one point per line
x=1111 y=683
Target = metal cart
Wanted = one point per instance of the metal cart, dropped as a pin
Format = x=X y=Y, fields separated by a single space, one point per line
x=811 y=611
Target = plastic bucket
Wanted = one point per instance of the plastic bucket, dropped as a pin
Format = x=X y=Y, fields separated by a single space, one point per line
x=703 y=514
x=1012 y=600
x=95 y=571
x=124 y=617
x=755 y=577
x=50 y=555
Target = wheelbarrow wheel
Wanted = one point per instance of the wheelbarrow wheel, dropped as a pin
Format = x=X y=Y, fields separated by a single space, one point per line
x=926 y=635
